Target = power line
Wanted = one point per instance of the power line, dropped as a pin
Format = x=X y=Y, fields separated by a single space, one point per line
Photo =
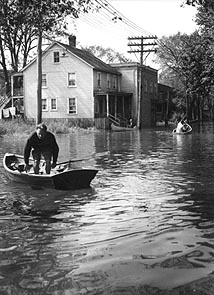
x=127 y=21
x=107 y=15
x=107 y=18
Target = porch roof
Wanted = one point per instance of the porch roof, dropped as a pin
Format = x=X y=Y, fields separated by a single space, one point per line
x=112 y=93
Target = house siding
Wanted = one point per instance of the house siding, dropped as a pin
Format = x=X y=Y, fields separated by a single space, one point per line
x=57 y=86
x=149 y=97
x=104 y=82
x=130 y=83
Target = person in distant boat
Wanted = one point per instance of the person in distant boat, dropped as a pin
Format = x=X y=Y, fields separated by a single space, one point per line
x=181 y=126
x=130 y=125
x=43 y=144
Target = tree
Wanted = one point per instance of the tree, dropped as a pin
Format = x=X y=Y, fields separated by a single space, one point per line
x=205 y=21
x=187 y=59
x=108 y=55
x=207 y=4
x=16 y=38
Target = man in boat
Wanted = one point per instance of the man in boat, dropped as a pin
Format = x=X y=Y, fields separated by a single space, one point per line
x=43 y=144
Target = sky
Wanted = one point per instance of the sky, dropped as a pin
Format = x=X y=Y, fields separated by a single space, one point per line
x=120 y=19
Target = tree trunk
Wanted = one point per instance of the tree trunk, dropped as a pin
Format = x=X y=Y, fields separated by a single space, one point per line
x=3 y=64
x=39 y=79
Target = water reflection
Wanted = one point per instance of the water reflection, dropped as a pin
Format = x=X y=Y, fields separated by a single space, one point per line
x=144 y=227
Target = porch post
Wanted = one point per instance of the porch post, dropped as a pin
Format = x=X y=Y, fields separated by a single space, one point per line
x=12 y=99
x=12 y=94
x=123 y=106
x=107 y=104
x=115 y=106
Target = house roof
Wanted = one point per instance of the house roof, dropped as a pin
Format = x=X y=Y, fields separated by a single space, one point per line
x=88 y=57
x=164 y=87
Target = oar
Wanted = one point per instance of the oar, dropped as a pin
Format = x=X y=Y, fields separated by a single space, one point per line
x=83 y=159
x=69 y=161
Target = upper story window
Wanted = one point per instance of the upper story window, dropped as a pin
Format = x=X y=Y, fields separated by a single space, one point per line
x=98 y=79
x=56 y=58
x=44 y=80
x=145 y=85
x=115 y=82
x=53 y=104
x=72 y=81
x=72 y=105
x=151 y=86
x=44 y=104
x=108 y=81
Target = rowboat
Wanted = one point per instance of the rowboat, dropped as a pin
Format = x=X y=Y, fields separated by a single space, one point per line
x=164 y=124
x=160 y=124
x=188 y=129
x=62 y=177
x=121 y=128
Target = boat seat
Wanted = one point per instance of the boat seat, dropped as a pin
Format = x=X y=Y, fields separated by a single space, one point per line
x=13 y=166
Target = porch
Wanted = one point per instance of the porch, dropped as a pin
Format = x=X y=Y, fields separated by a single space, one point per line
x=112 y=108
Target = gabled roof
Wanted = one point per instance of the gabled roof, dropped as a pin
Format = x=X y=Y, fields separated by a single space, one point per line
x=88 y=57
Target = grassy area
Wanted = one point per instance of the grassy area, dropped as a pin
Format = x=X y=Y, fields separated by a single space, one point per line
x=8 y=127
x=18 y=126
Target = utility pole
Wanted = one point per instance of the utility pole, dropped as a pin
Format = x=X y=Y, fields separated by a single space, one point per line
x=143 y=47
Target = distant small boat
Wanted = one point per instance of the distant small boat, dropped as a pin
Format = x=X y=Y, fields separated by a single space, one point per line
x=160 y=124
x=121 y=128
x=63 y=176
x=164 y=124
x=188 y=129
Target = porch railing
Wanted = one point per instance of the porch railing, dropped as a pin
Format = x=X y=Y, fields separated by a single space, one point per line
x=114 y=120
x=119 y=120
x=4 y=99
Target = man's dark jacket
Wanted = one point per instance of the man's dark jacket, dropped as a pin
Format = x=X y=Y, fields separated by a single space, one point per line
x=48 y=143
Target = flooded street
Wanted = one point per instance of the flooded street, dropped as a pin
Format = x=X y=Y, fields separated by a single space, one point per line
x=146 y=225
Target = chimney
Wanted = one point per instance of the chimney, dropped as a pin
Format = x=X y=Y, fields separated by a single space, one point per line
x=72 y=40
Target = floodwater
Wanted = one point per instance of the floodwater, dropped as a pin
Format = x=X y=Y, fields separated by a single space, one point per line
x=146 y=225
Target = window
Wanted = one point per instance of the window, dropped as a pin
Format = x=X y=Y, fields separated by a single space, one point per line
x=56 y=57
x=72 y=105
x=108 y=81
x=99 y=79
x=72 y=79
x=114 y=82
x=44 y=104
x=44 y=80
x=53 y=104
x=145 y=86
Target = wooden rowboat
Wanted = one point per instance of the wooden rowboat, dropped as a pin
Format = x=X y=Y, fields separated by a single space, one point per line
x=120 y=128
x=187 y=130
x=63 y=176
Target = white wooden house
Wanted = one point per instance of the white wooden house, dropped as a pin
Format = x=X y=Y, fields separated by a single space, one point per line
x=75 y=86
